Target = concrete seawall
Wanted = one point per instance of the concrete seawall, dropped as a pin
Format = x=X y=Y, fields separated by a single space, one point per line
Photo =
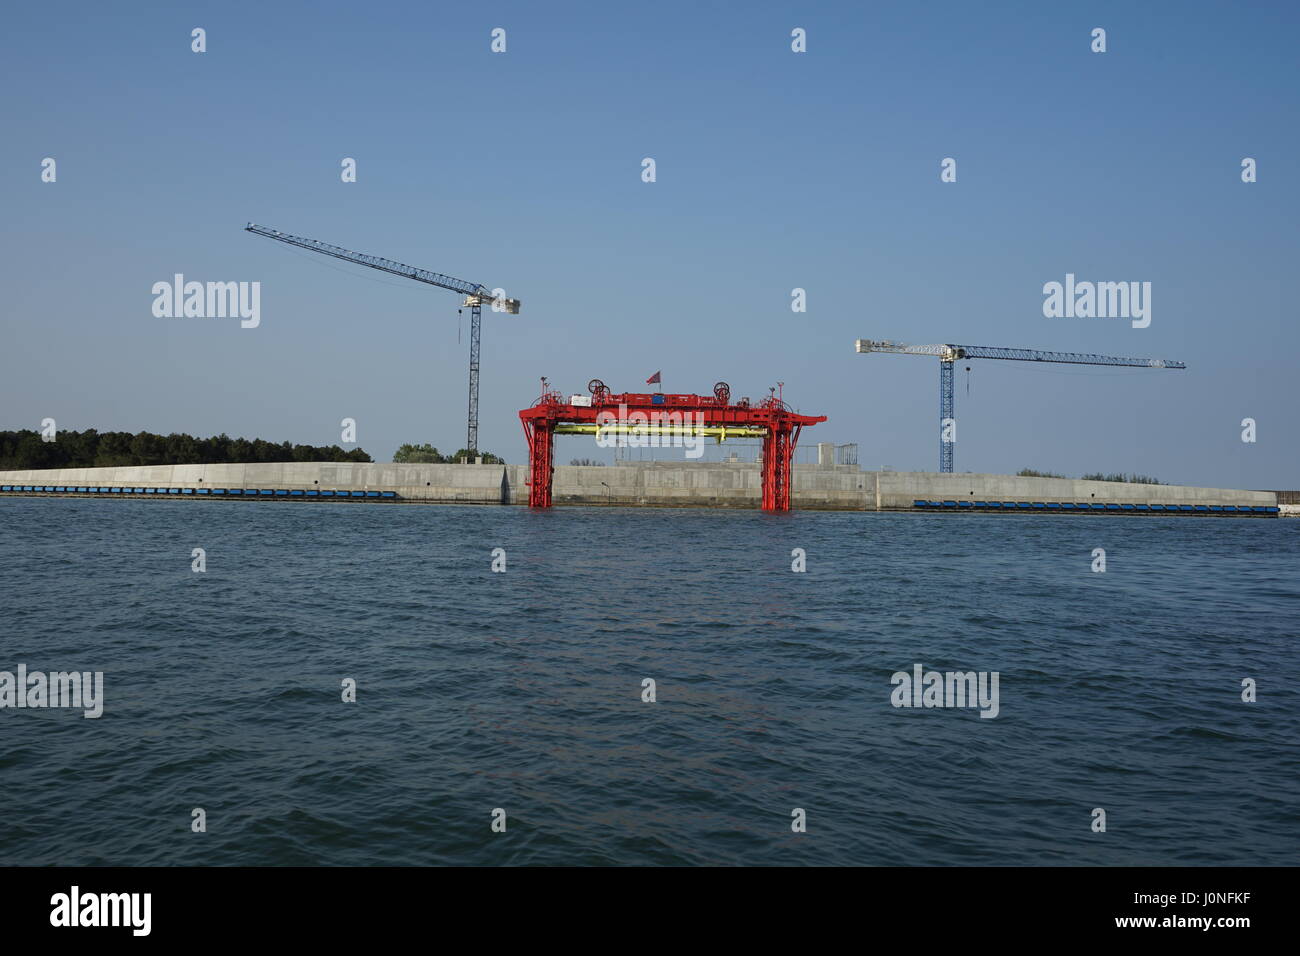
x=662 y=484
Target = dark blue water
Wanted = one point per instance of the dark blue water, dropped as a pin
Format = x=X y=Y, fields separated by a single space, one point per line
x=522 y=690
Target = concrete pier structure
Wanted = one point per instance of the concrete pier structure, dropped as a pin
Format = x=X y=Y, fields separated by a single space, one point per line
x=653 y=484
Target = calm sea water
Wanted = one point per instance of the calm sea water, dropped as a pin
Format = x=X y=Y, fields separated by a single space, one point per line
x=522 y=690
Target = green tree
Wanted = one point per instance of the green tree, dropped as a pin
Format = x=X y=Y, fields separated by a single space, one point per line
x=424 y=454
x=469 y=456
x=72 y=449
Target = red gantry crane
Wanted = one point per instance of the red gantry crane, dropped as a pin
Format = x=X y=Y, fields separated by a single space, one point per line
x=606 y=414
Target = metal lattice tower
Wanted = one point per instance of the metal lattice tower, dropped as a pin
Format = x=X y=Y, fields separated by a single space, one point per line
x=947 y=419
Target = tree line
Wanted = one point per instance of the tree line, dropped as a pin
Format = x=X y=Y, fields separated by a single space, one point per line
x=21 y=450
x=426 y=454
x=1094 y=476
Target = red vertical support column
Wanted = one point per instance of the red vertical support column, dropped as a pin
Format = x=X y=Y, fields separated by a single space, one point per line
x=781 y=469
x=778 y=452
x=791 y=443
x=765 y=478
x=541 y=459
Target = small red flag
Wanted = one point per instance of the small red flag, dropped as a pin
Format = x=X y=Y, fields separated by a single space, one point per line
x=653 y=379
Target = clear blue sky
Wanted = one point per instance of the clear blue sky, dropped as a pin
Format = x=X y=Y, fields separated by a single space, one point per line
x=775 y=170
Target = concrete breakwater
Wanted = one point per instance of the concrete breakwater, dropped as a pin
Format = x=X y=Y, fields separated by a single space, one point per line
x=652 y=484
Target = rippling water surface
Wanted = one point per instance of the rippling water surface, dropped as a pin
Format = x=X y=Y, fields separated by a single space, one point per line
x=522 y=690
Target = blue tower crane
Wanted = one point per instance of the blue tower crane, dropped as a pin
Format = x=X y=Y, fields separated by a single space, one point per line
x=948 y=354
x=475 y=295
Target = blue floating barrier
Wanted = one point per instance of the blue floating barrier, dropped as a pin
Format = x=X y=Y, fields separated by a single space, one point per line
x=296 y=494
x=358 y=494
x=1054 y=505
x=388 y=494
x=204 y=491
x=950 y=504
x=1037 y=505
x=187 y=491
x=918 y=503
x=282 y=492
x=313 y=494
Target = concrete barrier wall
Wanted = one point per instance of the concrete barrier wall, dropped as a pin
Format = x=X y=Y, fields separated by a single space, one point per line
x=714 y=484
x=475 y=484
x=898 y=489
x=667 y=484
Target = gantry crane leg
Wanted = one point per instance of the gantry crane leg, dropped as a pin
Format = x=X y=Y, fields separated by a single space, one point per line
x=541 y=462
x=777 y=477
